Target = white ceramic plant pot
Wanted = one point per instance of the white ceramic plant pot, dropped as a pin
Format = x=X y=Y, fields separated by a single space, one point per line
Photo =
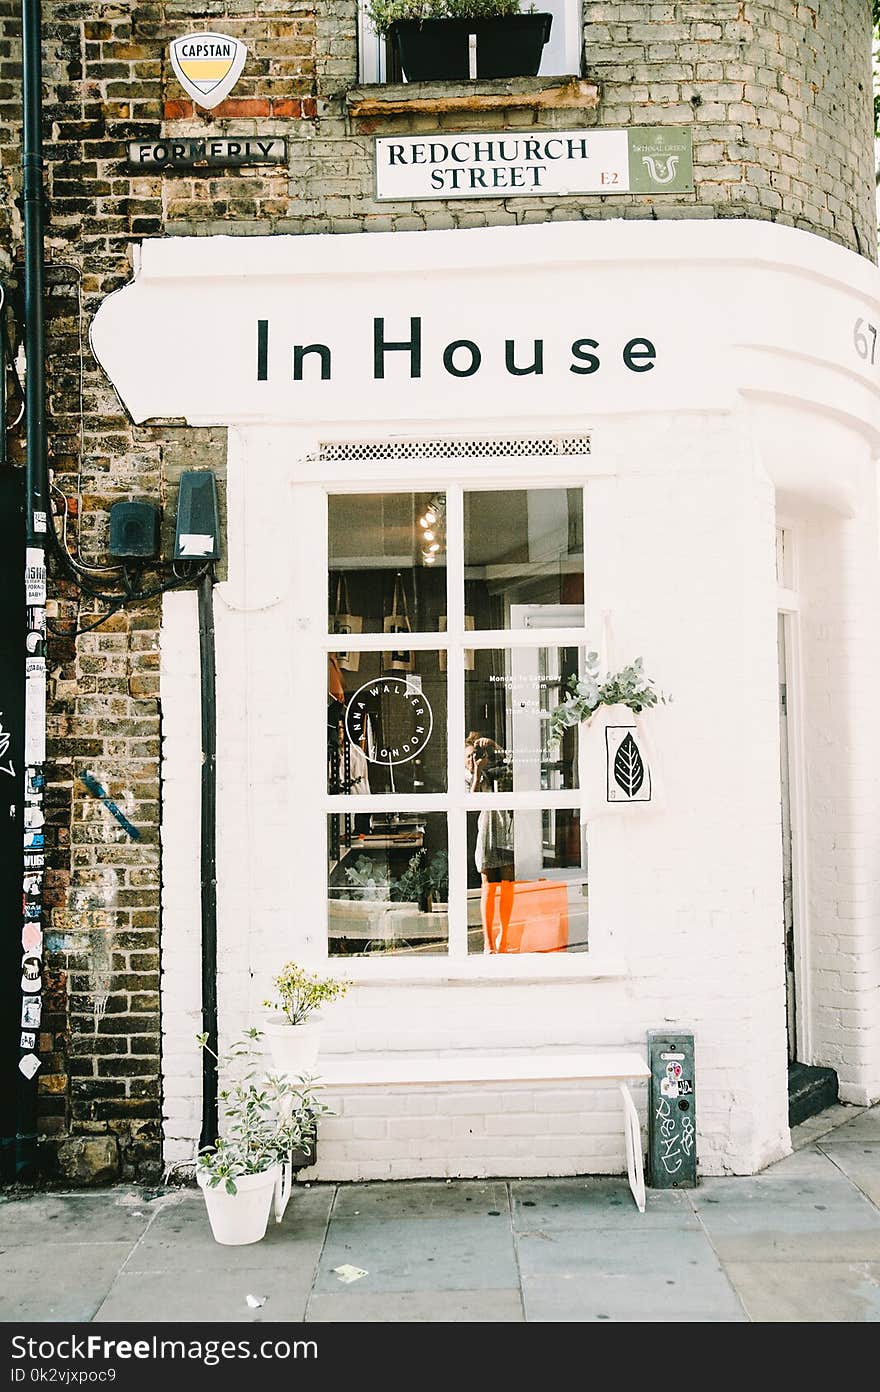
x=294 y=1048
x=240 y=1218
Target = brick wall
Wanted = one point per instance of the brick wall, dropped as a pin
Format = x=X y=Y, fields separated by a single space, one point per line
x=779 y=99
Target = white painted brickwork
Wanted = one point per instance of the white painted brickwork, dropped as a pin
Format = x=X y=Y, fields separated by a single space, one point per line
x=685 y=903
x=181 y=922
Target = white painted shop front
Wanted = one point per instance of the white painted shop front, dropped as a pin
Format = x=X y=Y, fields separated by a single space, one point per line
x=695 y=458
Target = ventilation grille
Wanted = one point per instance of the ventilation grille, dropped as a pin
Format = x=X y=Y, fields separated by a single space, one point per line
x=388 y=451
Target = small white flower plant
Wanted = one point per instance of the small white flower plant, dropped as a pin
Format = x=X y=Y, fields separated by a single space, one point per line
x=266 y=1115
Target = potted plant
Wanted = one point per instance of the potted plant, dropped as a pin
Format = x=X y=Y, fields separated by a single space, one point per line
x=432 y=37
x=423 y=881
x=616 y=764
x=267 y=1118
x=294 y=1038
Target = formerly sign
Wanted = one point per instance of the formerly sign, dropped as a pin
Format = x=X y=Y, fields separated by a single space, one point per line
x=207 y=66
x=650 y=159
x=197 y=153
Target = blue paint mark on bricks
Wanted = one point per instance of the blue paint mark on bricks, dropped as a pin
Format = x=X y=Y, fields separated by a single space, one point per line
x=97 y=791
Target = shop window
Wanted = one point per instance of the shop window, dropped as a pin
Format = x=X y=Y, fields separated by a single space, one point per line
x=561 y=58
x=455 y=622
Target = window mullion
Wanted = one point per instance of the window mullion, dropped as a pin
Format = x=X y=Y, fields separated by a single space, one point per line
x=457 y=822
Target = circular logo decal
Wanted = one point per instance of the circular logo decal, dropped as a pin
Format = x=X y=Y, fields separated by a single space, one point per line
x=400 y=716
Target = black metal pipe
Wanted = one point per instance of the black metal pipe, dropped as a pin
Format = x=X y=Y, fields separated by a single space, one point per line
x=208 y=854
x=34 y=322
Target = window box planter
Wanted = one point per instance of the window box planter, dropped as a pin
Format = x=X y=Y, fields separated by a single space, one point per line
x=436 y=50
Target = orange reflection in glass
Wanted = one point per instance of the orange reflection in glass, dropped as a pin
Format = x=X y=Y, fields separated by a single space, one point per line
x=524 y=915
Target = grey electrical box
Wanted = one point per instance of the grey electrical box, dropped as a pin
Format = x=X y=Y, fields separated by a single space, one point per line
x=134 y=530
x=672 y=1118
x=197 y=535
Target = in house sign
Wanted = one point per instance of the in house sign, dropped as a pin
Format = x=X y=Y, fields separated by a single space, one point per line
x=652 y=159
x=207 y=66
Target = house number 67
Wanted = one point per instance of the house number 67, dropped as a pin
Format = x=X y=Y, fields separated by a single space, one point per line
x=865 y=349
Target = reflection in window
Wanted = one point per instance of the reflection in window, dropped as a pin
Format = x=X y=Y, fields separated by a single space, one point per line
x=510 y=695
x=523 y=547
x=387 y=884
x=387 y=563
x=386 y=723
x=527 y=881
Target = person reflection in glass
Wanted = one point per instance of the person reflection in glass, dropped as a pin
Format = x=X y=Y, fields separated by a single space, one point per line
x=494 y=850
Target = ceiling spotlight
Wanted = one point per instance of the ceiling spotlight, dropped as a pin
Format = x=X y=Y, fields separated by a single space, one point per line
x=429 y=536
x=430 y=517
x=429 y=559
x=423 y=521
x=435 y=546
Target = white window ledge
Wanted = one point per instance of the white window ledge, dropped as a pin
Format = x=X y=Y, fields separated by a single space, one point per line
x=485 y=970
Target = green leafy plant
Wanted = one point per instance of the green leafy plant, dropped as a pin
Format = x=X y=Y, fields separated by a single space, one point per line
x=422 y=879
x=383 y=13
x=299 y=993
x=266 y=1116
x=628 y=687
x=363 y=880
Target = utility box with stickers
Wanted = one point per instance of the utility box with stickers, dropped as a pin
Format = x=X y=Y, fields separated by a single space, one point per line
x=672 y=1120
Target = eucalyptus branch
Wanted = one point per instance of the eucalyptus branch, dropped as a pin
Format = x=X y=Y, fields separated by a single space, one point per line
x=628 y=687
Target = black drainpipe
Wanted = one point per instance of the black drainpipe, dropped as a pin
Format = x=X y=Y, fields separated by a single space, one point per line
x=35 y=524
x=208 y=673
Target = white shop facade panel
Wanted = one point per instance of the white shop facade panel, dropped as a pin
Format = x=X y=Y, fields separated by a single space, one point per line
x=459 y=463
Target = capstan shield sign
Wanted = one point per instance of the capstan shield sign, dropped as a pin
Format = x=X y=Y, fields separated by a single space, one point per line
x=207 y=66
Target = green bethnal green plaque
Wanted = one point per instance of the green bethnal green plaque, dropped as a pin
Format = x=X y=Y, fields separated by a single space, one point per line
x=661 y=159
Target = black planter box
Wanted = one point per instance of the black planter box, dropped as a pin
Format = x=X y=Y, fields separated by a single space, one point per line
x=434 y=50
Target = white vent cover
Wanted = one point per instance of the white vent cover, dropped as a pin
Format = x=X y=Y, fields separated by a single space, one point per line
x=388 y=451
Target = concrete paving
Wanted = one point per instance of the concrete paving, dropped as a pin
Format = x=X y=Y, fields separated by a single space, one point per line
x=799 y=1242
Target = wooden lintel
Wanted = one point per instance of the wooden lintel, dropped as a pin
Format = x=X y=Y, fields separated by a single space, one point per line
x=575 y=95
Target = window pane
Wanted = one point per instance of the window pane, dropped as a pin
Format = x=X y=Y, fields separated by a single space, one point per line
x=386 y=722
x=510 y=695
x=387 y=884
x=527 y=883
x=524 y=558
x=387 y=562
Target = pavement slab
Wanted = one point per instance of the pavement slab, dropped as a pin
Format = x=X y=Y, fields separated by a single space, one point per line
x=864 y=1127
x=579 y=1204
x=67 y=1283
x=564 y=1299
x=860 y=1162
x=414 y=1307
x=823 y=1292
x=118 y=1215
x=144 y=1297
x=420 y=1254
x=815 y=1127
x=422 y=1199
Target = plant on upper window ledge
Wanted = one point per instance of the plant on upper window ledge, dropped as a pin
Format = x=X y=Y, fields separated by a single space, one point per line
x=433 y=38
x=629 y=687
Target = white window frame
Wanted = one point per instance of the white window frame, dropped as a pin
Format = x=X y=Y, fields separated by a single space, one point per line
x=456 y=802
x=562 y=53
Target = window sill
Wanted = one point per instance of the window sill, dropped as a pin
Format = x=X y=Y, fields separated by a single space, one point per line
x=483 y=970
x=441 y=98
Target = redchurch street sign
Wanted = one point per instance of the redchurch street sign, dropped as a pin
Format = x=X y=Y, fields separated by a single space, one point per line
x=485 y=164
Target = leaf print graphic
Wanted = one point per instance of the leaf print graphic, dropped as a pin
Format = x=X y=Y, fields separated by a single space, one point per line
x=629 y=771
